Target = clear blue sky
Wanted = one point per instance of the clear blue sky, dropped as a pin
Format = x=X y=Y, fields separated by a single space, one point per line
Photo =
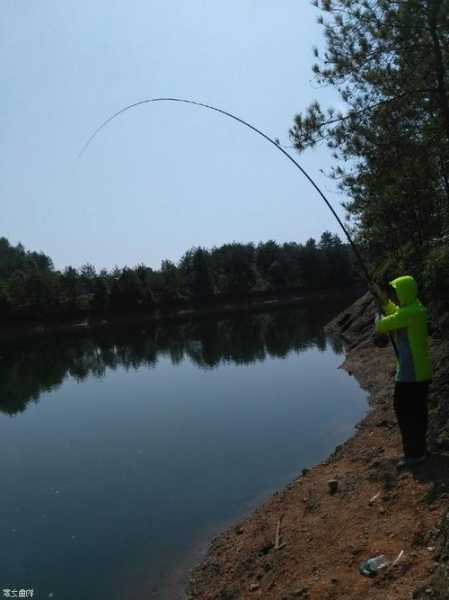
x=164 y=177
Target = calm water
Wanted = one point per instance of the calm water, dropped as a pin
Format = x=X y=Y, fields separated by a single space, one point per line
x=122 y=451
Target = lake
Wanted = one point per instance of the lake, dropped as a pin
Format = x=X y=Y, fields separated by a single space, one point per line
x=124 y=452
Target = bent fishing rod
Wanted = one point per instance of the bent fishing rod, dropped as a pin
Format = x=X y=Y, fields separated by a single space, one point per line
x=275 y=144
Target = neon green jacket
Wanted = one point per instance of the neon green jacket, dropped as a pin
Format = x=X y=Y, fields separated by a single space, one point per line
x=408 y=324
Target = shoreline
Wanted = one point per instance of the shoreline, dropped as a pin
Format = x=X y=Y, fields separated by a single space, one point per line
x=31 y=330
x=377 y=509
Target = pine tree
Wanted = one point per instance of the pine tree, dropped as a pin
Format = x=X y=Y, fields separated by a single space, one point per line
x=388 y=60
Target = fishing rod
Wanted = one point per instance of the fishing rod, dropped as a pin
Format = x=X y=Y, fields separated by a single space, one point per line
x=274 y=143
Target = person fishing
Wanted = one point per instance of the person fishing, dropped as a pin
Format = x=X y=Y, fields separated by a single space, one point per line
x=406 y=319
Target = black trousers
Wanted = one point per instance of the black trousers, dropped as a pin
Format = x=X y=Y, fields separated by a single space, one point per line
x=410 y=406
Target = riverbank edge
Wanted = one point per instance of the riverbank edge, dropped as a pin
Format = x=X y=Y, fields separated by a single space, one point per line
x=31 y=330
x=366 y=462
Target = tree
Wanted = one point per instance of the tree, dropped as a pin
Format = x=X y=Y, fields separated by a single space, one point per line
x=311 y=265
x=336 y=260
x=40 y=293
x=291 y=261
x=127 y=292
x=88 y=276
x=234 y=268
x=202 y=281
x=100 y=298
x=195 y=271
x=388 y=60
x=5 y=300
x=41 y=261
x=148 y=279
x=277 y=275
x=170 y=282
x=71 y=286
x=266 y=254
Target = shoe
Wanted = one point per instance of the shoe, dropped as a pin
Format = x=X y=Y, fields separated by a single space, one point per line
x=410 y=462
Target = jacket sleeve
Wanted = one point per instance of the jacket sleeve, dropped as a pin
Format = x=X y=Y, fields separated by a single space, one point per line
x=398 y=320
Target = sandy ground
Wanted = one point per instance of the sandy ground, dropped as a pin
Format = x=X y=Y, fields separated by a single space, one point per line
x=306 y=542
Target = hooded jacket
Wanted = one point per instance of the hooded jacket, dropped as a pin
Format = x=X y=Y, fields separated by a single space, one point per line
x=408 y=324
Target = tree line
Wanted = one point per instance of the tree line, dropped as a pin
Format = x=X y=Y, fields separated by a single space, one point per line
x=31 y=287
x=389 y=62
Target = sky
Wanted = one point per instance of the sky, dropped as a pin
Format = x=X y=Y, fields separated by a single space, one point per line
x=163 y=177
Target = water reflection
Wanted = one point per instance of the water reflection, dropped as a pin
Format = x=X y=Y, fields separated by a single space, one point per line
x=27 y=372
x=166 y=440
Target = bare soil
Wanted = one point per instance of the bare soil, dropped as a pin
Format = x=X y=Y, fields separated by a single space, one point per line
x=306 y=542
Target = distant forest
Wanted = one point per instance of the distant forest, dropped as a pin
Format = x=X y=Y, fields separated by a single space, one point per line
x=30 y=286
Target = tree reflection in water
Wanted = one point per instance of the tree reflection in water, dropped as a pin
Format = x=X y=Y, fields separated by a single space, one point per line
x=28 y=371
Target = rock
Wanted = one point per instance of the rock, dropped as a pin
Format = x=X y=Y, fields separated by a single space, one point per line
x=253 y=587
x=333 y=486
x=302 y=593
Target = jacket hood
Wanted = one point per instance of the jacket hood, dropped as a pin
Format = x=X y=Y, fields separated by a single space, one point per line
x=406 y=289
